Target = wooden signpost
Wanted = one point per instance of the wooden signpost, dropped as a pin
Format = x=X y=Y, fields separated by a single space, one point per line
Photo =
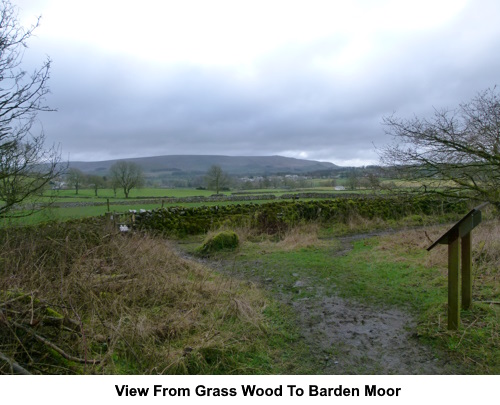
x=461 y=230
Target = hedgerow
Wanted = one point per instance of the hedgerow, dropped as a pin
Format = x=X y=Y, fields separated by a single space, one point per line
x=276 y=217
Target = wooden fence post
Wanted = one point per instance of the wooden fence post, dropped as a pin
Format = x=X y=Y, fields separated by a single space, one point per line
x=109 y=218
x=453 y=282
x=466 y=271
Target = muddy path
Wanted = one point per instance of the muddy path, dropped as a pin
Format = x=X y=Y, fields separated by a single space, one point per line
x=349 y=337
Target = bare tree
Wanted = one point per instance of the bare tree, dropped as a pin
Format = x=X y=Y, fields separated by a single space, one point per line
x=96 y=182
x=127 y=175
x=373 y=181
x=75 y=178
x=26 y=167
x=454 y=153
x=353 y=180
x=216 y=179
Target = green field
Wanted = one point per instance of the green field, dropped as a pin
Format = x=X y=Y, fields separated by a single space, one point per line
x=87 y=196
x=66 y=213
x=104 y=193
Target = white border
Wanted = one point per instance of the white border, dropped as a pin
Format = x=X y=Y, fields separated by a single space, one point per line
x=70 y=390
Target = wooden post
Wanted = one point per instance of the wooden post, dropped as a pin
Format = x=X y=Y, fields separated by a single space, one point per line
x=466 y=271
x=108 y=218
x=107 y=201
x=461 y=230
x=453 y=281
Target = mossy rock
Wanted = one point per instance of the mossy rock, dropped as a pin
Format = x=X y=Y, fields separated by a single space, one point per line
x=226 y=240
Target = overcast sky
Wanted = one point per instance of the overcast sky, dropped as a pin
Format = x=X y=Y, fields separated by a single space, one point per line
x=309 y=79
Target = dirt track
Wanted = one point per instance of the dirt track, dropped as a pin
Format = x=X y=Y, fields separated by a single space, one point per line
x=351 y=338
x=348 y=337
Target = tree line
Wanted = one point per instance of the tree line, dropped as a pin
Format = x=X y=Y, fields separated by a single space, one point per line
x=123 y=175
x=126 y=175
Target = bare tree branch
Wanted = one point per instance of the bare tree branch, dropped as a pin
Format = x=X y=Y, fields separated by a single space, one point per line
x=16 y=368
x=454 y=153
x=26 y=166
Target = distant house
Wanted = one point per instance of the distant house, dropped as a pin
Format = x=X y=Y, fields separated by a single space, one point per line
x=339 y=188
x=57 y=185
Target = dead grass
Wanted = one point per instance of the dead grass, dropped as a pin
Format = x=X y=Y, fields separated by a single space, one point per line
x=485 y=249
x=79 y=300
x=357 y=223
x=298 y=237
x=411 y=241
x=301 y=236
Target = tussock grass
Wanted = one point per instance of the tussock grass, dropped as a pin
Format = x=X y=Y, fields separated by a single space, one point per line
x=220 y=241
x=305 y=235
x=77 y=299
x=245 y=233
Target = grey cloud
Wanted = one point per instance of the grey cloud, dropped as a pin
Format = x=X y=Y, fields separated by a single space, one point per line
x=111 y=106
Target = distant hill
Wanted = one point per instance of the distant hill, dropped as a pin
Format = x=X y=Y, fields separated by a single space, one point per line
x=193 y=164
